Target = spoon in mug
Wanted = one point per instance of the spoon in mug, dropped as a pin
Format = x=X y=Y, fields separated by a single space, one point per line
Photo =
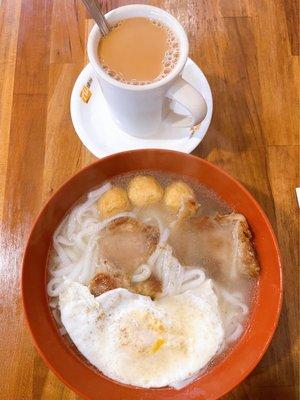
x=94 y=9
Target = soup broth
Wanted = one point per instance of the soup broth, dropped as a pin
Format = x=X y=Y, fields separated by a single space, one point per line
x=159 y=235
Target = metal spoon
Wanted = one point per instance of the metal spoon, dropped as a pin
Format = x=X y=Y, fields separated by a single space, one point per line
x=94 y=9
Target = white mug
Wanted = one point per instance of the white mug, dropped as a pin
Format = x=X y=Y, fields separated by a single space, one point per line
x=139 y=110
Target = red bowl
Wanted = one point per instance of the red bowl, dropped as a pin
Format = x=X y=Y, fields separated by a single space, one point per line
x=63 y=359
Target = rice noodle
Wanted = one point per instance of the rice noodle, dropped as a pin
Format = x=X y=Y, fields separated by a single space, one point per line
x=234 y=319
x=174 y=277
x=55 y=286
x=236 y=334
x=192 y=279
x=169 y=271
x=234 y=299
x=77 y=257
x=141 y=274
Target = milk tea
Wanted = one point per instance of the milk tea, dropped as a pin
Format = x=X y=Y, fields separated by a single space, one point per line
x=139 y=51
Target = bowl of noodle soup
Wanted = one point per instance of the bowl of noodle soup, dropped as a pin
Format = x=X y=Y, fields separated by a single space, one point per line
x=63 y=247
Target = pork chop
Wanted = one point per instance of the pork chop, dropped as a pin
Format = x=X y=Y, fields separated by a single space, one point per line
x=105 y=281
x=127 y=243
x=222 y=242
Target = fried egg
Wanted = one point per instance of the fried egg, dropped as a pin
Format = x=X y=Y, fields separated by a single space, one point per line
x=141 y=342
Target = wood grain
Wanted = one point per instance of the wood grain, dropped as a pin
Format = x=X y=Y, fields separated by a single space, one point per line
x=249 y=51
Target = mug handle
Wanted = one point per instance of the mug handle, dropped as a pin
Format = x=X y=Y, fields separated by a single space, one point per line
x=191 y=100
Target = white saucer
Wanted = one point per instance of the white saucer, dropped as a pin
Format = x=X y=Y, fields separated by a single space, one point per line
x=97 y=131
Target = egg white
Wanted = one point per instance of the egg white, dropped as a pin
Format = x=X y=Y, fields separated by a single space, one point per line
x=141 y=342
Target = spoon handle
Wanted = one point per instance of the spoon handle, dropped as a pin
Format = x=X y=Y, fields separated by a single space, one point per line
x=94 y=9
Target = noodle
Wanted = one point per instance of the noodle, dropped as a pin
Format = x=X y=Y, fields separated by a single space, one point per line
x=141 y=274
x=174 y=277
x=76 y=256
x=232 y=320
x=192 y=279
x=236 y=334
x=234 y=299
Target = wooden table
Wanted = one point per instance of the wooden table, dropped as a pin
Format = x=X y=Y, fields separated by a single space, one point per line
x=248 y=50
